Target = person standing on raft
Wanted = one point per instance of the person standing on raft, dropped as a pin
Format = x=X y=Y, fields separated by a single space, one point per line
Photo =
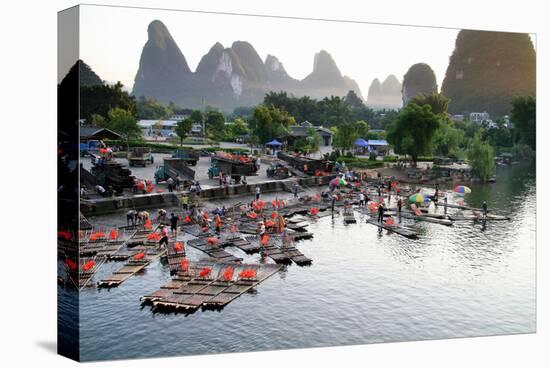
x=174 y=223
x=161 y=215
x=257 y=192
x=164 y=236
x=131 y=217
x=484 y=207
x=381 y=213
x=361 y=199
x=218 y=223
x=399 y=205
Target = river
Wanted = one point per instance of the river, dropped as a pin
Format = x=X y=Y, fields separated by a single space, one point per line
x=364 y=287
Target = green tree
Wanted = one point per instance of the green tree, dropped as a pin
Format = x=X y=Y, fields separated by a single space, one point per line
x=99 y=99
x=481 y=158
x=413 y=130
x=524 y=117
x=196 y=116
x=98 y=120
x=334 y=111
x=437 y=101
x=183 y=128
x=353 y=101
x=345 y=137
x=271 y=123
x=447 y=139
x=362 y=129
x=124 y=123
x=151 y=109
x=215 y=124
x=239 y=127
x=313 y=140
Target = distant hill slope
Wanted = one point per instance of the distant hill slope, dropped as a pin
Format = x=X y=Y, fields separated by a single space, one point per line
x=86 y=76
x=419 y=79
x=487 y=69
x=386 y=94
x=227 y=77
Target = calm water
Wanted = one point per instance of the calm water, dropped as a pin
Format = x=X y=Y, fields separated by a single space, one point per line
x=363 y=287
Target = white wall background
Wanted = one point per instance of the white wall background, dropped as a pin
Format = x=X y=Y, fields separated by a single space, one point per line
x=28 y=204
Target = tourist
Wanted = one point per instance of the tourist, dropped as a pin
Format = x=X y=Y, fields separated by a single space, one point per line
x=174 y=223
x=184 y=202
x=161 y=215
x=218 y=223
x=170 y=183
x=367 y=199
x=101 y=190
x=131 y=217
x=389 y=185
x=333 y=202
x=436 y=196
x=257 y=192
x=164 y=236
x=244 y=182
x=261 y=230
x=381 y=213
x=143 y=216
x=379 y=190
x=484 y=206
x=361 y=199
x=198 y=188
x=295 y=190
x=399 y=205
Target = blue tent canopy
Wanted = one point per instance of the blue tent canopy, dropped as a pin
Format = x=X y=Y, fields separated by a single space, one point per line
x=361 y=143
x=274 y=142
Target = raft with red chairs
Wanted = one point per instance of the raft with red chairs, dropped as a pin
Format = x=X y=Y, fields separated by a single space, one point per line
x=214 y=289
x=135 y=264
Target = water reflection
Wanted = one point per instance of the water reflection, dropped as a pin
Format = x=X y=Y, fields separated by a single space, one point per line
x=365 y=285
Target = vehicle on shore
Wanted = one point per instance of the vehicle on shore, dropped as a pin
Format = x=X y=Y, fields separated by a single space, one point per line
x=140 y=156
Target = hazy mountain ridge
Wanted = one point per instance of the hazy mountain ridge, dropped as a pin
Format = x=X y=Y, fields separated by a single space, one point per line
x=386 y=94
x=227 y=77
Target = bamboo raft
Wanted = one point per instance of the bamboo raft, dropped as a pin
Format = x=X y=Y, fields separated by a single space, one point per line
x=174 y=257
x=188 y=291
x=423 y=218
x=481 y=217
x=400 y=230
x=129 y=269
x=213 y=250
x=281 y=253
x=242 y=244
x=349 y=217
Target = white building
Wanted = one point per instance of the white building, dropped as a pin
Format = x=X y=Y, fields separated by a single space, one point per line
x=164 y=128
x=479 y=117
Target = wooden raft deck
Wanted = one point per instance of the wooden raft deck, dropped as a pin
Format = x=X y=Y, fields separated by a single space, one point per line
x=189 y=291
x=400 y=230
x=279 y=252
x=213 y=250
x=130 y=268
x=174 y=256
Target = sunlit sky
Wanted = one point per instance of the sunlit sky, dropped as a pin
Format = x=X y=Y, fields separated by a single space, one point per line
x=111 y=41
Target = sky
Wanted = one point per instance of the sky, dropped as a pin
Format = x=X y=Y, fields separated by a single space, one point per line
x=111 y=41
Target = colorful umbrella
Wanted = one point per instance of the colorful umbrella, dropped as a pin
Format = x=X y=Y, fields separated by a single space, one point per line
x=462 y=189
x=416 y=198
x=338 y=182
